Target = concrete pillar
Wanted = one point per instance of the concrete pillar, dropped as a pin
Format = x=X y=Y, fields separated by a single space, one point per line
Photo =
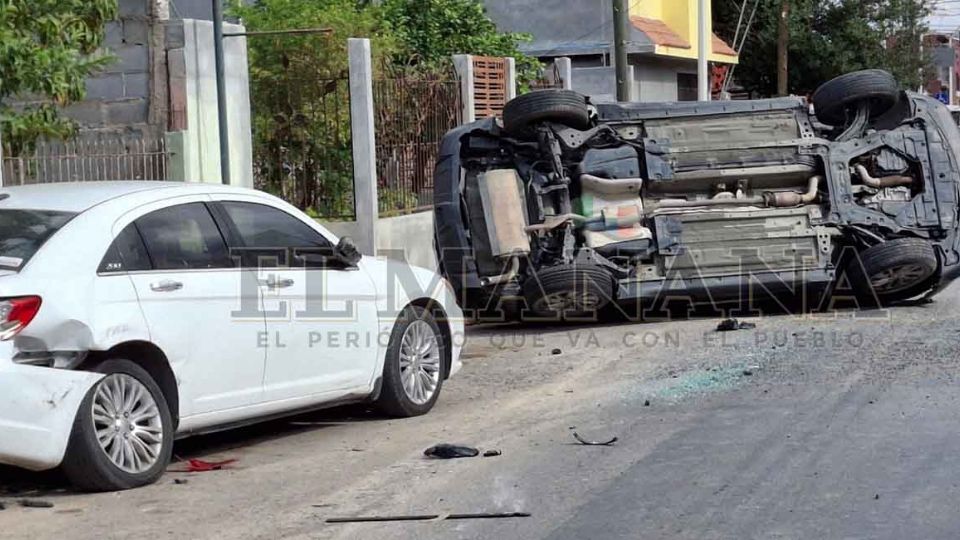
x=364 y=144
x=565 y=69
x=463 y=63
x=511 y=78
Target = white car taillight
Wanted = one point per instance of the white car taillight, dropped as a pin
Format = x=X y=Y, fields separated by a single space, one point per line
x=16 y=314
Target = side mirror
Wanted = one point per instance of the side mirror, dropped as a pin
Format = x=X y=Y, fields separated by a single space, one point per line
x=347 y=251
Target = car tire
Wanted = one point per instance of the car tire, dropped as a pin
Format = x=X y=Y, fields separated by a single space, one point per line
x=834 y=99
x=88 y=464
x=415 y=365
x=895 y=270
x=566 y=107
x=570 y=290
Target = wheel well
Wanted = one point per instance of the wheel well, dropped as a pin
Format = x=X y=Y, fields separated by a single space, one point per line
x=440 y=316
x=150 y=358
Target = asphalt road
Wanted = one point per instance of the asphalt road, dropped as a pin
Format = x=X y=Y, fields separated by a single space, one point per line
x=805 y=427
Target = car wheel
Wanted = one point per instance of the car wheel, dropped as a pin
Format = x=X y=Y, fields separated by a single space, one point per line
x=895 y=270
x=573 y=290
x=835 y=98
x=565 y=107
x=122 y=436
x=413 y=369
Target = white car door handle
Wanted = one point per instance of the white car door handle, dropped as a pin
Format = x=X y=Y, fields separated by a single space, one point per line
x=274 y=283
x=166 y=286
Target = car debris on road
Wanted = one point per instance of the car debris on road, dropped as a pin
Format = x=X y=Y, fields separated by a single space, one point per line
x=585 y=442
x=199 y=465
x=450 y=451
x=429 y=517
x=35 y=503
x=729 y=325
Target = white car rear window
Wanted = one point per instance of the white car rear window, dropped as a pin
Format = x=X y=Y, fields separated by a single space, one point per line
x=22 y=232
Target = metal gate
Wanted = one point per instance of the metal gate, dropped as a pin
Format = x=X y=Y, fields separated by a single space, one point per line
x=412 y=114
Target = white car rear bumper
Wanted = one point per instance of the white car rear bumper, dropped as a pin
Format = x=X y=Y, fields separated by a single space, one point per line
x=37 y=408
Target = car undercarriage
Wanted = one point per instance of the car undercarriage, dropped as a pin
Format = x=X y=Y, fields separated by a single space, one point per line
x=567 y=206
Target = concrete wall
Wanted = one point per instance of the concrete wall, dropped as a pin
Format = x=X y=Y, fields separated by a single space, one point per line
x=404 y=238
x=655 y=79
x=120 y=95
x=196 y=150
x=191 y=9
x=600 y=83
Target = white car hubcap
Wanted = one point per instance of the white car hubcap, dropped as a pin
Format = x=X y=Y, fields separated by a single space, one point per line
x=420 y=362
x=128 y=423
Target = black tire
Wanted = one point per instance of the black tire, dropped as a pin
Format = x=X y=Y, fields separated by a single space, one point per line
x=394 y=400
x=835 y=98
x=894 y=256
x=87 y=465
x=565 y=107
x=571 y=291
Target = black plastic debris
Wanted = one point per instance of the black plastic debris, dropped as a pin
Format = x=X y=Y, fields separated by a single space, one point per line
x=35 y=503
x=180 y=481
x=492 y=453
x=450 y=451
x=556 y=351
x=729 y=325
x=646 y=403
x=585 y=442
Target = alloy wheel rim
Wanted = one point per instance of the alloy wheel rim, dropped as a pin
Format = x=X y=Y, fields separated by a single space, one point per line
x=127 y=422
x=898 y=278
x=420 y=362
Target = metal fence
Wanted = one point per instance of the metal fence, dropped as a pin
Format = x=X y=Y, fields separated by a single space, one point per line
x=412 y=116
x=302 y=149
x=89 y=156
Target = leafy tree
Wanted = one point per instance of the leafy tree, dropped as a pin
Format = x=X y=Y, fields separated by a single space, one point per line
x=828 y=38
x=301 y=115
x=298 y=90
x=430 y=31
x=47 y=49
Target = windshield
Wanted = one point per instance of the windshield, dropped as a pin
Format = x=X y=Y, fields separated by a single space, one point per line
x=22 y=232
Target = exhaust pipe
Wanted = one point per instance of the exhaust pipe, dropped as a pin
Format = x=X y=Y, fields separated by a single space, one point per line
x=880 y=183
x=786 y=199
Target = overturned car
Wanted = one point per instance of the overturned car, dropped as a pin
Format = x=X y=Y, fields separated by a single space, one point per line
x=565 y=206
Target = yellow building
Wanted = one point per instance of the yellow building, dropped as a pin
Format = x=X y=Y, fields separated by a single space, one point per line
x=673 y=27
x=662 y=46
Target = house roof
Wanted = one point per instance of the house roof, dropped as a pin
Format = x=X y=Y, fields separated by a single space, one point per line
x=661 y=34
x=720 y=47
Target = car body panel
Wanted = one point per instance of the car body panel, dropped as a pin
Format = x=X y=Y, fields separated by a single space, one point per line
x=39 y=406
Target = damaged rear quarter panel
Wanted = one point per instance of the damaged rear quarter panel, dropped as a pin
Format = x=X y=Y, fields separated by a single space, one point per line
x=37 y=410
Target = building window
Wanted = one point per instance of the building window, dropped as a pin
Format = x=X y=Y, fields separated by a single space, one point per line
x=686 y=86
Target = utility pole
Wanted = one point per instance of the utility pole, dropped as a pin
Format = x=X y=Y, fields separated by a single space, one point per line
x=621 y=29
x=221 y=92
x=783 y=45
x=703 y=45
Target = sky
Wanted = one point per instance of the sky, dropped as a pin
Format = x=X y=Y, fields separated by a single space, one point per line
x=945 y=17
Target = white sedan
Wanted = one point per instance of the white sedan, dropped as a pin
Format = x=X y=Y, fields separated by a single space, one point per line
x=134 y=313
